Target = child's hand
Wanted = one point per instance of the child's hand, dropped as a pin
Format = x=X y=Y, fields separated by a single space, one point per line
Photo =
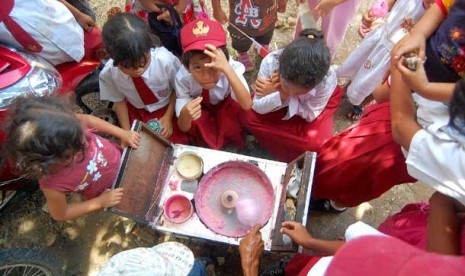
x=130 y=138
x=219 y=61
x=111 y=197
x=86 y=22
x=416 y=80
x=367 y=19
x=167 y=124
x=166 y=16
x=220 y=16
x=194 y=108
x=297 y=232
x=267 y=86
x=410 y=43
x=282 y=6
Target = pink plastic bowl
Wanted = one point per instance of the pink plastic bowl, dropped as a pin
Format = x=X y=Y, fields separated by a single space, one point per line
x=178 y=208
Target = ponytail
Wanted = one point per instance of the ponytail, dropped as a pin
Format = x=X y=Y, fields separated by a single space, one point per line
x=306 y=60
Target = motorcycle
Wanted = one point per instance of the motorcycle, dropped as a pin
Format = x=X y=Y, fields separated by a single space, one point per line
x=25 y=74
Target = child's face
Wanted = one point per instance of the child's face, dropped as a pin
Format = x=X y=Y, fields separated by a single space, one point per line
x=205 y=76
x=292 y=89
x=135 y=72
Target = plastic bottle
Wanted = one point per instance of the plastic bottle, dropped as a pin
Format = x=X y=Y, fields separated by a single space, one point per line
x=306 y=16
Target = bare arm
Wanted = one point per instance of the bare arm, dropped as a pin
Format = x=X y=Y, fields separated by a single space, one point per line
x=167 y=119
x=418 y=82
x=86 y=22
x=127 y=137
x=443 y=225
x=251 y=249
x=180 y=6
x=403 y=111
x=299 y=234
x=60 y=209
x=218 y=12
x=122 y=113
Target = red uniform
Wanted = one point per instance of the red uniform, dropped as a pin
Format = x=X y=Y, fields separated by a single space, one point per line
x=362 y=162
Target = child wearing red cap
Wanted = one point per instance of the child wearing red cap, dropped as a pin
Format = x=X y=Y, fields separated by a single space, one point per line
x=210 y=87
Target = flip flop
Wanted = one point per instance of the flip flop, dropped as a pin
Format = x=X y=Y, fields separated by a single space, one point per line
x=355 y=113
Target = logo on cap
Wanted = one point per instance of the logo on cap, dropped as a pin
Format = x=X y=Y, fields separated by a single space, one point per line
x=200 y=29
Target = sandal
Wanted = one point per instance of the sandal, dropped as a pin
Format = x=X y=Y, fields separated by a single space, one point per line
x=355 y=113
x=325 y=205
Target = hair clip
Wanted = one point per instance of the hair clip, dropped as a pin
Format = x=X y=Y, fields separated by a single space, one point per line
x=310 y=36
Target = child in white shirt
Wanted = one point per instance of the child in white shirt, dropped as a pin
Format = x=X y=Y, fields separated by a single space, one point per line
x=45 y=27
x=296 y=96
x=139 y=77
x=210 y=87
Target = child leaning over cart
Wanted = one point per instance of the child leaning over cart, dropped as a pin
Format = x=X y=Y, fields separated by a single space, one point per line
x=210 y=87
x=139 y=77
x=46 y=141
x=296 y=97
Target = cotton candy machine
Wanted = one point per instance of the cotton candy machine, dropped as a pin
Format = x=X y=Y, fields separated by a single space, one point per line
x=230 y=192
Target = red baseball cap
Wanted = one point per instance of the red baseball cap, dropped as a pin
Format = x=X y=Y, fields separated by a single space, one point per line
x=387 y=256
x=202 y=31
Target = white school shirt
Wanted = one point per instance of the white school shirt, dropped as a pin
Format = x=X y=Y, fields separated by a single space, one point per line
x=436 y=157
x=52 y=25
x=187 y=88
x=116 y=86
x=308 y=106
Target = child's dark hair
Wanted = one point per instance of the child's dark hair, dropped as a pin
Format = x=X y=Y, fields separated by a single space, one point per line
x=306 y=60
x=41 y=132
x=457 y=107
x=128 y=40
x=187 y=56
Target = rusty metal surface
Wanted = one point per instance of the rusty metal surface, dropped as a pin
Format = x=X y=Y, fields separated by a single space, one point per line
x=142 y=175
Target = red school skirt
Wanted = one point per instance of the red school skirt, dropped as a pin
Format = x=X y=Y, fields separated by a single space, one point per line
x=361 y=163
x=177 y=137
x=411 y=225
x=287 y=139
x=218 y=126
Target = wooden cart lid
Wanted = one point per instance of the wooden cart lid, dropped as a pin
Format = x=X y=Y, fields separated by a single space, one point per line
x=142 y=174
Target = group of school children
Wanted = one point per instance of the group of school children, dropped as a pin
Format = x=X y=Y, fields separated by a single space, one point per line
x=414 y=130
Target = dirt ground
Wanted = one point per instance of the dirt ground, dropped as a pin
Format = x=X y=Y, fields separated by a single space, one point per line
x=85 y=244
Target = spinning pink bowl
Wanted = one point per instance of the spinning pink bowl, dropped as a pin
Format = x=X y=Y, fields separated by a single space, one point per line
x=255 y=198
x=178 y=208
